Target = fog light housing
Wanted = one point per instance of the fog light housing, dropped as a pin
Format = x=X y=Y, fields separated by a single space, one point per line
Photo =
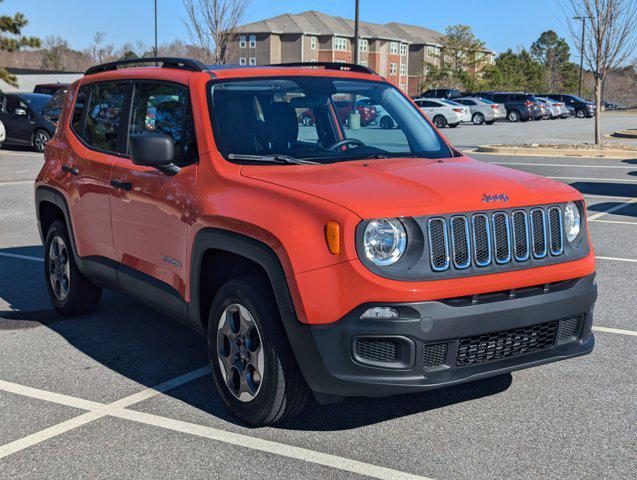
x=380 y=313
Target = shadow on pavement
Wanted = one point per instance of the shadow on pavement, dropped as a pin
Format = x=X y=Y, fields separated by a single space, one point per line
x=149 y=348
x=606 y=188
x=627 y=210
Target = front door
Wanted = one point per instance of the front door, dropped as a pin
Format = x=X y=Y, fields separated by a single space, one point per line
x=150 y=210
x=16 y=117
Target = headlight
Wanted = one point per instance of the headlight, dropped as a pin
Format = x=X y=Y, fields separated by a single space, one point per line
x=385 y=241
x=571 y=221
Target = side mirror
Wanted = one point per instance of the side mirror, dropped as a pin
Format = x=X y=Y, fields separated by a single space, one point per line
x=21 y=112
x=155 y=150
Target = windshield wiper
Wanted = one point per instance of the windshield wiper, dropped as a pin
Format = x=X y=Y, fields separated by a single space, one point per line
x=276 y=158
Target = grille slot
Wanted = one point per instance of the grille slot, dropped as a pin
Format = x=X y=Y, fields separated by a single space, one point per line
x=434 y=355
x=569 y=327
x=481 y=239
x=520 y=235
x=460 y=243
x=377 y=349
x=505 y=344
x=538 y=232
x=438 y=244
x=555 y=230
x=501 y=237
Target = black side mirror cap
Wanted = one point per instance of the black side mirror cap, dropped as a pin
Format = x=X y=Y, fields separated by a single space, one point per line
x=155 y=150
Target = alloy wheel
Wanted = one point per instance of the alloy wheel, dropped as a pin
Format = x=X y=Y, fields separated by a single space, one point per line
x=59 y=268
x=40 y=140
x=240 y=352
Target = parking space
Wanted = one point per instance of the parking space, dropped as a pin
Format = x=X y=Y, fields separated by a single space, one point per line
x=124 y=392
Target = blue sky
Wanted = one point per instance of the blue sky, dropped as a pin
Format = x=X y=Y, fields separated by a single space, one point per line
x=132 y=20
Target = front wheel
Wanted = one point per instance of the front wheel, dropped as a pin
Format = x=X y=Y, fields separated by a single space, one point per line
x=40 y=139
x=440 y=121
x=477 y=119
x=254 y=369
x=580 y=113
x=513 y=116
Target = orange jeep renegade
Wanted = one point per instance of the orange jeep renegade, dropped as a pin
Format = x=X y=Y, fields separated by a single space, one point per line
x=327 y=259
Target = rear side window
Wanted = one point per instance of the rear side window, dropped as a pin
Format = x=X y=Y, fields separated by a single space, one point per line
x=165 y=108
x=78 y=110
x=103 y=117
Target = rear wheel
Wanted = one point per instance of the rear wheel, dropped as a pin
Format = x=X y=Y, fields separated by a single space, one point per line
x=386 y=122
x=254 y=369
x=580 y=113
x=71 y=292
x=513 y=116
x=440 y=121
x=40 y=139
x=477 y=119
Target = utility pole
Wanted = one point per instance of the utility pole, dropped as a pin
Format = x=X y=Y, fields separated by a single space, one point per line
x=581 y=60
x=356 y=39
x=155 y=30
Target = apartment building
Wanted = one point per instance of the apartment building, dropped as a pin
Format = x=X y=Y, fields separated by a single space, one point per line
x=399 y=52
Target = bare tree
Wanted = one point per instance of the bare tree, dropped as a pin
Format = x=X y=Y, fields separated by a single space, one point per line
x=212 y=26
x=610 y=39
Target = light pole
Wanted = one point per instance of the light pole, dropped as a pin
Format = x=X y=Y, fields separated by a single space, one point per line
x=356 y=47
x=581 y=60
x=155 y=30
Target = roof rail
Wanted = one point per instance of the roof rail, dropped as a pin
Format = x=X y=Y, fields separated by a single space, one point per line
x=166 y=62
x=351 y=67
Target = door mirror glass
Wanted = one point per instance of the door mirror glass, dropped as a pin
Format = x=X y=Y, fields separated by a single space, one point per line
x=155 y=150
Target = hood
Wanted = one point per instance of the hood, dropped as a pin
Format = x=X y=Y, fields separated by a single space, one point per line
x=414 y=186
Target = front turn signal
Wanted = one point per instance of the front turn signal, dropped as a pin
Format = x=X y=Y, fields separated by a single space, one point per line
x=333 y=237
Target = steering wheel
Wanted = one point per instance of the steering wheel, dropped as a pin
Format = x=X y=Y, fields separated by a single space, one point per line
x=346 y=141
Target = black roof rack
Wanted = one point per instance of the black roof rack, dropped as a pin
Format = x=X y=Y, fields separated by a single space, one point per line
x=166 y=62
x=351 y=67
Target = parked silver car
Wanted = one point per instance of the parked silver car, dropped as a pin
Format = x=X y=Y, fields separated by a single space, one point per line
x=483 y=110
x=554 y=109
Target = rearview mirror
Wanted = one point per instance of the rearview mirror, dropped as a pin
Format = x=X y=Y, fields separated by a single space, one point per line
x=155 y=150
x=21 y=112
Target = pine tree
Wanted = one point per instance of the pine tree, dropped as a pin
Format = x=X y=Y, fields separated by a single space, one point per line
x=11 y=40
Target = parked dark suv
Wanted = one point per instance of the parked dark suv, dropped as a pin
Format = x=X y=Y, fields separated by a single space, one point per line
x=520 y=106
x=580 y=107
x=447 y=93
x=24 y=119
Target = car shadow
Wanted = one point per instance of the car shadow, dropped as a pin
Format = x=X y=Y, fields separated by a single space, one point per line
x=629 y=210
x=606 y=188
x=150 y=348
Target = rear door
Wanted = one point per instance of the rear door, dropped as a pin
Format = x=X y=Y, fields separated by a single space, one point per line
x=151 y=211
x=17 y=118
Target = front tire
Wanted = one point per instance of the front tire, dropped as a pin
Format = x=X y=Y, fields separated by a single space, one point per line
x=71 y=292
x=440 y=121
x=254 y=369
x=580 y=113
x=40 y=139
x=477 y=119
x=513 y=116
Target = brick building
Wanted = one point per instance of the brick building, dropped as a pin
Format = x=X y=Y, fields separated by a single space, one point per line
x=397 y=51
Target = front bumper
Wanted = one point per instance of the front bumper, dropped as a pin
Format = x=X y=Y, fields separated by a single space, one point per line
x=332 y=364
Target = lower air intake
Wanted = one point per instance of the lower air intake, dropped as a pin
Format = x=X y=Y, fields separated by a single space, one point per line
x=377 y=349
x=569 y=327
x=434 y=355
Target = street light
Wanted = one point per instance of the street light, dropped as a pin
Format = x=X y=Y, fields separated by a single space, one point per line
x=356 y=47
x=155 y=32
x=581 y=60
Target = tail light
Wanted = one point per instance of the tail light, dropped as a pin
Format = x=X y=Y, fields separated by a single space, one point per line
x=495 y=107
x=528 y=103
x=459 y=110
x=558 y=104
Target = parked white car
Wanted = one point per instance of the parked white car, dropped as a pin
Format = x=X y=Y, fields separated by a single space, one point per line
x=555 y=109
x=3 y=133
x=442 y=113
x=483 y=110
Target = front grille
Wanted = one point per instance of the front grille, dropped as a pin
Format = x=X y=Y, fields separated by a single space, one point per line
x=569 y=327
x=494 y=238
x=505 y=344
x=376 y=349
x=434 y=354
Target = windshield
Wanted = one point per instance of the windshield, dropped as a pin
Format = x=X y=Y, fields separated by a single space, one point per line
x=320 y=119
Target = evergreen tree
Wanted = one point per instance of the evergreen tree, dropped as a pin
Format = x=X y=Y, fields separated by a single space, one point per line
x=11 y=40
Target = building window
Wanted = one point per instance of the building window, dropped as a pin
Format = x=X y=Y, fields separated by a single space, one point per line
x=363 y=63
x=242 y=41
x=393 y=47
x=363 y=45
x=403 y=87
x=340 y=44
x=252 y=61
x=253 y=41
x=403 y=69
x=393 y=68
x=313 y=43
x=242 y=61
x=403 y=49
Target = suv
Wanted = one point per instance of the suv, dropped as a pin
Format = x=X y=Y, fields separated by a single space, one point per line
x=365 y=262
x=520 y=107
x=448 y=93
x=580 y=107
x=25 y=120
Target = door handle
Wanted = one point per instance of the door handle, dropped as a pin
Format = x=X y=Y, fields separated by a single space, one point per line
x=122 y=185
x=70 y=169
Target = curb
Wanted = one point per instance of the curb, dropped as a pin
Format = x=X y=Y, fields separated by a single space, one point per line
x=628 y=133
x=555 y=152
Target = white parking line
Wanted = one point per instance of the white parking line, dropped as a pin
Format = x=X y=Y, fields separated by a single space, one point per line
x=616 y=330
x=605 y=196
x=116 y=409
x=617 y=259
x=19 y=182
x=21 y=257
x=618 y=180
x=612 y=209
x=530 y=164
x=614 y=221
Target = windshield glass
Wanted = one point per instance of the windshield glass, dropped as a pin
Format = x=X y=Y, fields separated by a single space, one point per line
x=321 y=119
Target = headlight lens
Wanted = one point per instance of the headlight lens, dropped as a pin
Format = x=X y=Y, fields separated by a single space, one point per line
x=385 y=241
x=571 y=221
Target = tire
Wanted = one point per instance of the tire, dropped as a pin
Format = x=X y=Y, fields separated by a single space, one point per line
x=580 y=113
x=40 y=139
x=490 y=122
x=513 y=116
x=477 y=118
x=386 y=122
x=306 y=120
x=440 y=121
x=71 y=292
x=281 y=391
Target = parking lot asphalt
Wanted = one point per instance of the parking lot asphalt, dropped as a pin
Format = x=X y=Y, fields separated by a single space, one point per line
x=124 y=392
